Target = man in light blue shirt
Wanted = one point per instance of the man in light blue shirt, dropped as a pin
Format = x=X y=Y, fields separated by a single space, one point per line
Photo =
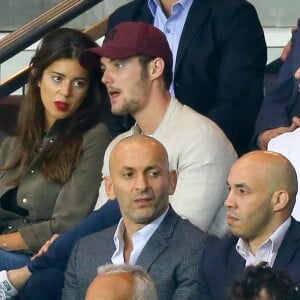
x=171 y=25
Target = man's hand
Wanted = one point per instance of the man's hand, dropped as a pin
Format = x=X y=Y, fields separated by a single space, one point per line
x=264 y=138
x=287 y=48
x=46 y=246
x=296 y=121
x=12 y=241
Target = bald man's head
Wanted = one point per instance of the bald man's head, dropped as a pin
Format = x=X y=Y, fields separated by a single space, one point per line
x=140 y=179
x=262 y=190
x=274 y=170
x=134 y=145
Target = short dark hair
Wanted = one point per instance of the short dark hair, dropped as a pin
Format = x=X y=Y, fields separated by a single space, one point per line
x=276 y=284
x=144 y=59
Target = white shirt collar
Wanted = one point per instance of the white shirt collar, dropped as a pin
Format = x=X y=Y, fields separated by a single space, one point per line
x=268 y=250
x=139 y=240
x=153 y=4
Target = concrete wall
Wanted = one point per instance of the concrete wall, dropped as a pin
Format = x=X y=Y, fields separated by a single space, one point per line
x=15 y=13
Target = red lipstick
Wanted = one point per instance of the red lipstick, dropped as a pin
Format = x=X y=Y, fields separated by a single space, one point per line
x=61 y=106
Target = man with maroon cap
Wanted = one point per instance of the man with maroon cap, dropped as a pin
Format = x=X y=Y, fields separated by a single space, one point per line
x=219 y=55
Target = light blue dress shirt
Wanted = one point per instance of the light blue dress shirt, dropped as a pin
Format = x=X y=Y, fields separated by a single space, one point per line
x=172 y=27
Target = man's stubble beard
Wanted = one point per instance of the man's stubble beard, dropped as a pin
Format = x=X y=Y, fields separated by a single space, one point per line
x=128 y=107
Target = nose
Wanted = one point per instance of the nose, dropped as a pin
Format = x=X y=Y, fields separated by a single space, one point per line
x=141 y=182
x=106 y=77
x=229 y=201
x=65 y=88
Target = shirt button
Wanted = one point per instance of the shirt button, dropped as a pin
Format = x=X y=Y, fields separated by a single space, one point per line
x=24 y=200
x=50 y=141
x=9 y=227
x=168 y=30
x=31 y=171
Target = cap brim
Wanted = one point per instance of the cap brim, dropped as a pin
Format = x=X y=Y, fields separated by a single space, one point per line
x=90 y=58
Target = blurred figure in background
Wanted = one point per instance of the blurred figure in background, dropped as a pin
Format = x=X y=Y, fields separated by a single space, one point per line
x=280 y=111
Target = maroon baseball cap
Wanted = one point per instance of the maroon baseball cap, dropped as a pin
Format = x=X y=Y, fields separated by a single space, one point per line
x=128 y=39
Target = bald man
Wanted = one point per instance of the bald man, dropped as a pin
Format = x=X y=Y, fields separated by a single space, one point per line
x=262 y=190
x=121 y=282
x=149 y=234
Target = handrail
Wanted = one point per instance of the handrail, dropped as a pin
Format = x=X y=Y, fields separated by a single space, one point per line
x=19 y=79
x=31 y=32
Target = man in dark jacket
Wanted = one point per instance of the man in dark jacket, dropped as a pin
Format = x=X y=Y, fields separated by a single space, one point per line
x=262 y=192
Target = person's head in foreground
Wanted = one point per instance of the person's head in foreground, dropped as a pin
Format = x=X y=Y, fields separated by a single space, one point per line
x=261 y=282
x=121 y=282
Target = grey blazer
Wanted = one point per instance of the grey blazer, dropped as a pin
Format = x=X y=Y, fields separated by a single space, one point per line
x=171 y=257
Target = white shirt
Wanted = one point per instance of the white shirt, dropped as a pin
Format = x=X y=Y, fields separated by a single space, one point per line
x=288 y=144
x=139 y=240
x=267 y=251
x=202 y=156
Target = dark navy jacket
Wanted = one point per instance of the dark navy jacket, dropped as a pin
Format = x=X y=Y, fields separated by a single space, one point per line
x=221 y=264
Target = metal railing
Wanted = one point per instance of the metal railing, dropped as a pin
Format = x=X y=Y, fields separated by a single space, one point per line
x=31 y=32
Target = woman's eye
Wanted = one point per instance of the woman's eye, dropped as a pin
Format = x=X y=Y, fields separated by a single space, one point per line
x=56 y=78
x=80 y=83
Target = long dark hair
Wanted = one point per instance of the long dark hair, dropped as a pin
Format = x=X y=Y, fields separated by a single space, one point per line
x=59 y=159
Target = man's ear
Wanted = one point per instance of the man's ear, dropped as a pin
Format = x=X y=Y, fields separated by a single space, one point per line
x=172 y=182
x=280 y=200
x=109 y=188
x=157 y=67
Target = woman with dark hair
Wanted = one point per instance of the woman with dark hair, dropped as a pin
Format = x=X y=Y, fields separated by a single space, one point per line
x=50 y=170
